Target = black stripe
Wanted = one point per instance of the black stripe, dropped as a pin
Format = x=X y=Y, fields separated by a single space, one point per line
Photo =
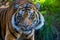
x=1 y=38
x=16 y=31
x=11 y=32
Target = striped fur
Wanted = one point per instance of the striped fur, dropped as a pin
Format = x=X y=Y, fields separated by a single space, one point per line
x=8 y=31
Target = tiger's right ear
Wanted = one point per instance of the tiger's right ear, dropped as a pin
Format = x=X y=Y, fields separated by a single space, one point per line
x=38 y=6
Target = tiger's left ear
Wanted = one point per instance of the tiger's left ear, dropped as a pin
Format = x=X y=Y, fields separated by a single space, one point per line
x=38 y=6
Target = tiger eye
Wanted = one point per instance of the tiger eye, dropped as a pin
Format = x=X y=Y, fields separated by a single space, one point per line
x=19 y=16
x=21 y=12
x=32 y=16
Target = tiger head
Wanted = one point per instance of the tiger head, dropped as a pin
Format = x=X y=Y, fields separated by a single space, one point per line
x=26 y=18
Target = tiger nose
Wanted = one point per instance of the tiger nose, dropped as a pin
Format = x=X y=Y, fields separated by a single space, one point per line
x=26 y=25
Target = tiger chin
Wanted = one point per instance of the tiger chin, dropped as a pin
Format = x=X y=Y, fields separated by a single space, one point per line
x=22 y=19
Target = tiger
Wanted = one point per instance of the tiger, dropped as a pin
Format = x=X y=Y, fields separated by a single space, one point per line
x=20 y=20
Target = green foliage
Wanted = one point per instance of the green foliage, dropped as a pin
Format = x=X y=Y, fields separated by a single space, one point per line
x=36 y=1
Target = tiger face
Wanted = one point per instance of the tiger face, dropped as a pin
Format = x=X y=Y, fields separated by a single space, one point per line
x=24 y=18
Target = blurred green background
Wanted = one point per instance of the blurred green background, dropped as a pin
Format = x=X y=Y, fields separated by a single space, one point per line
x=51 y=12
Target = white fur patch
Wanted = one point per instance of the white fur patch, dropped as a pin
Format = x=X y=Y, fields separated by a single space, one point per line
x=42 y=22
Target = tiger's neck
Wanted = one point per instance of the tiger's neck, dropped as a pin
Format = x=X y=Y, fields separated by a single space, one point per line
x=19 y=36
x=27 y=36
